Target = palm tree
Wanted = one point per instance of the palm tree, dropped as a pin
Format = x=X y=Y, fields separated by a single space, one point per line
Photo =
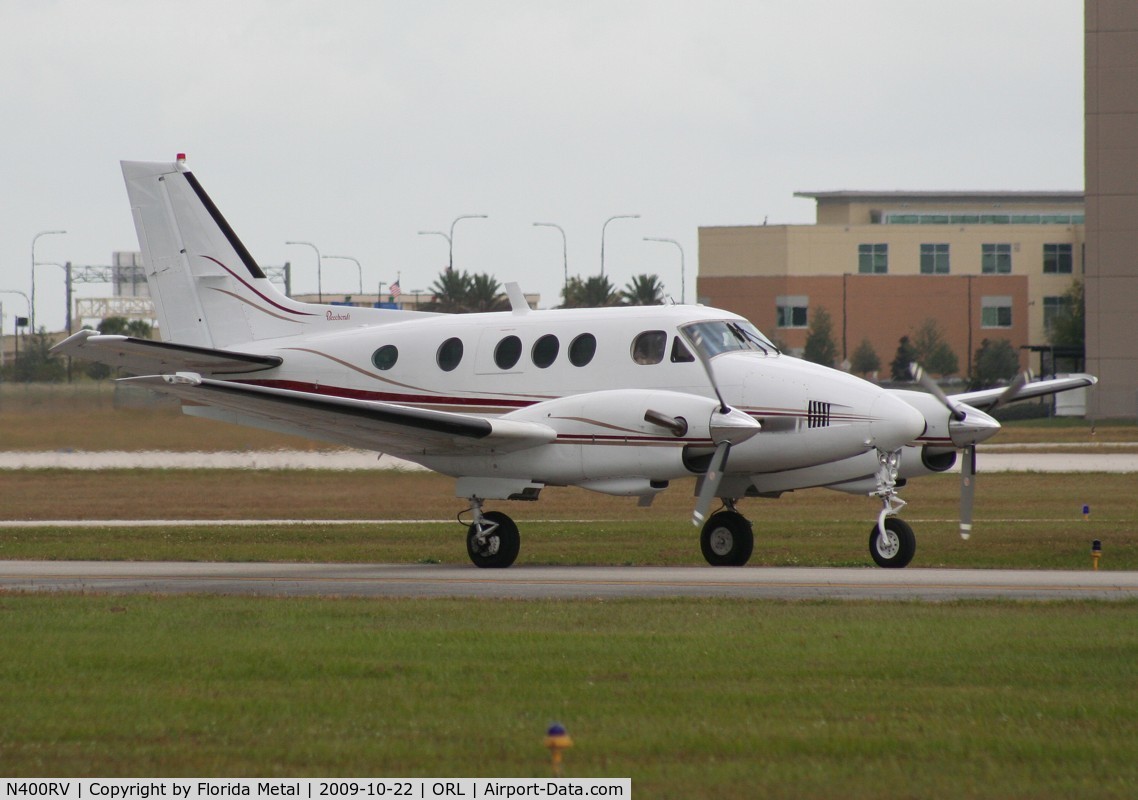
x=485 y=294
x=452 y=292
x=596 y=291
x=644 y=290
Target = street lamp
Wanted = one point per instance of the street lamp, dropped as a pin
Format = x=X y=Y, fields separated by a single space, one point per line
x=32 y=302
x=319 y=270
x=607 y=221
x=564 y=245
x=681 y=249
x=359 y=269
x=450 y=237
x=67 y=290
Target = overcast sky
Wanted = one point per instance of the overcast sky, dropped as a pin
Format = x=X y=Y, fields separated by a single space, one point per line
x=354 y=125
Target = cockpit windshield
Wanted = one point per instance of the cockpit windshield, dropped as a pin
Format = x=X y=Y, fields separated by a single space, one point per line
x=723 y=336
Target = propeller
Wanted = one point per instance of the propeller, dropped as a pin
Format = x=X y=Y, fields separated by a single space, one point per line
x=967 y=426
x=728 y=426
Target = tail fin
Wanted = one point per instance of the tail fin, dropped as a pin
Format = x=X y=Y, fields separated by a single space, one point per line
x=207 y=289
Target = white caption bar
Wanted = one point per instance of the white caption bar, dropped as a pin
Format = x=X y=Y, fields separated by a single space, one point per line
x=318 y=788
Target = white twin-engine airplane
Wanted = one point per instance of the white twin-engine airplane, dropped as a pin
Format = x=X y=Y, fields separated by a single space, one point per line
x=617 y=400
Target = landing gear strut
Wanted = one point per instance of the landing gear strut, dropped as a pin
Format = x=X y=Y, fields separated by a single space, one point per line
x=727 y=539
x=891 y=541
x=492 y=540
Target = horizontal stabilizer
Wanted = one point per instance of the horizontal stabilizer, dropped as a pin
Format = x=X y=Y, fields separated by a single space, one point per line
x=145 y=356
x=364 y=424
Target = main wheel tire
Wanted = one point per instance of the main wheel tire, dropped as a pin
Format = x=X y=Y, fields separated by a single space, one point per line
x=727 y=539
x=499 y=548
x=896 y=548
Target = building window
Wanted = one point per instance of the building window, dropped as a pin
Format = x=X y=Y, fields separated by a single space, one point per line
x=996 y=259
x=934 y=259
x=792 y=311
x=872 y=259
x=996 y=312
x=1052 y=308
x=1057 y=259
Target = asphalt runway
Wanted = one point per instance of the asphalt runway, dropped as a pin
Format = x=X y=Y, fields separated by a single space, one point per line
x=527 y=583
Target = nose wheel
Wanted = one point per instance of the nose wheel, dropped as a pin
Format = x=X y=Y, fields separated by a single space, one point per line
x=892 y=544
x=727 y=539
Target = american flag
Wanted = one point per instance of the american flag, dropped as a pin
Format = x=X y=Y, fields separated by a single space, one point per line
x=395 y=290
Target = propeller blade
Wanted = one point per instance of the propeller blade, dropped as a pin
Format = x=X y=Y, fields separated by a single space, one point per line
x=967 y=490
x=930 y=386
x=711 y=480
x=701 y=354
x=1014 y=388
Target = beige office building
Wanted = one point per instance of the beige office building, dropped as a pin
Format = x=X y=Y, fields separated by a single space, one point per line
x=982 y=265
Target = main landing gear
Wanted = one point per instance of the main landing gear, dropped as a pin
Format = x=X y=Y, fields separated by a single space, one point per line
x=727 y=539
x=492 y=539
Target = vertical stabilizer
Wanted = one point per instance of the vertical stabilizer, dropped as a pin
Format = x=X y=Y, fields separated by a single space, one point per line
x=206 y=287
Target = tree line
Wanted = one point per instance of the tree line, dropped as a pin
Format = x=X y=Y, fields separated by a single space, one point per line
x=462 y=293
x=994 y=362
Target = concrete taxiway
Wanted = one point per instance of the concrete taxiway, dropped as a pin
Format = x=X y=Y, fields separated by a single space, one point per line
x=536 y=582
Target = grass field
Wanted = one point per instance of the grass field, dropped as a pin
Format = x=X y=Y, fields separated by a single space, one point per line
x=1027 y=521
x=689 y=698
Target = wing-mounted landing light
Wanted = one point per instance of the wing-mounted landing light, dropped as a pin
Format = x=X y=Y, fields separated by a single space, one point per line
x=967 y=427
x=728 y=426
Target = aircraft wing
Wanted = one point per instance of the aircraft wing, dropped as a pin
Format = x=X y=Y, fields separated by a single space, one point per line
x=364 y=424
x=145 y=356
x=986 y=398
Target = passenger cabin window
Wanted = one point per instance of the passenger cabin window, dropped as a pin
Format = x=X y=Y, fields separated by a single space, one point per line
x=582 y=349
x=508 y=351
x=385 y=357
x=648 y=347
x=544 y=351
x=450 y=353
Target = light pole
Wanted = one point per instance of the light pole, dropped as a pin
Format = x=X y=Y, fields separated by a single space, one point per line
x=67 y=290
x=564 y=245
x=450 y=237
x=32 y=302
x=607 y=221
x=359 y=269
x=319 y=270
x=681 y=249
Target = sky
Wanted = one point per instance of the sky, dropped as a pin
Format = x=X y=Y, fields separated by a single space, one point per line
x=356 y=125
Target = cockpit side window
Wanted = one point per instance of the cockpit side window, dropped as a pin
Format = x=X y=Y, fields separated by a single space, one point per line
x=648 y=347
x=680 y=352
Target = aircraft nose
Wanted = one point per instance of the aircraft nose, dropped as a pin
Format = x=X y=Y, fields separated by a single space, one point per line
x=894 y=423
